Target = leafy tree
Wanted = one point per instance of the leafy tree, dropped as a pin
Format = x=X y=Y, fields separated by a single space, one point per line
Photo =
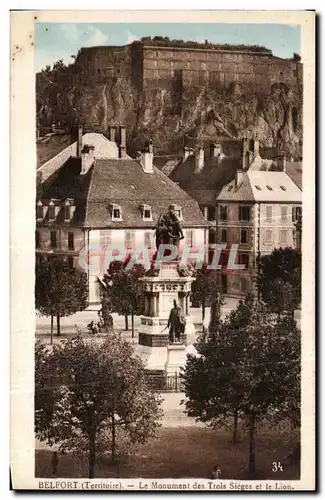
x=279 y=280
x=205 y=289
x=86 y=391
x=249 y=369
x=123 y=289
x=59 y=290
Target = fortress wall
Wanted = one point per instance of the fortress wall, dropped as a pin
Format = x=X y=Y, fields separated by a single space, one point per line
x=147 y=66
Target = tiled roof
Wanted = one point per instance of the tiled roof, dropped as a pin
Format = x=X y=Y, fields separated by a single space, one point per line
x=262 y=187
x=294 y=170
x=67 y=183
x=123 y=182
x=206 y=184
x=49 y=146
x=103 y=149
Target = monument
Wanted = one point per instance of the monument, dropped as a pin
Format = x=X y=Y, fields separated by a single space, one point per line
x=166 y=332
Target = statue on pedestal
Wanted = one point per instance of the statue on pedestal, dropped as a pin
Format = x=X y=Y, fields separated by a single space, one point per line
x=176 y=323
x=168 y=229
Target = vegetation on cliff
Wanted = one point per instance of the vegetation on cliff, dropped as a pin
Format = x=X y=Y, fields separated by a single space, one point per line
x=164 y=41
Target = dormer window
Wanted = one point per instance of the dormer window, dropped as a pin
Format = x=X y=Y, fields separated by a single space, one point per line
x=116 y=213
x=67 y=212
x=177 y=211
x=39 y=211
x=51 y=211
x=146 y=212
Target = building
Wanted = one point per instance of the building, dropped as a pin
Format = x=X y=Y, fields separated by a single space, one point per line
x=93 y=194
x=257 y=211
x=175 y=65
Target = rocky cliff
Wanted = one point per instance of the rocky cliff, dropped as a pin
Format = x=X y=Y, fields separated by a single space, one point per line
x=169 y=117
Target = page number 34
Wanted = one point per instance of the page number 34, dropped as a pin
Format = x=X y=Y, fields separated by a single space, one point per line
x=276 y=466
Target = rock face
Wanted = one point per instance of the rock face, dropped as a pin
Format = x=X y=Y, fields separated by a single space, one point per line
x=171 y=119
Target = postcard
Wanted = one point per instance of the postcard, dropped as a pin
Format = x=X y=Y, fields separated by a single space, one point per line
x=162 y=250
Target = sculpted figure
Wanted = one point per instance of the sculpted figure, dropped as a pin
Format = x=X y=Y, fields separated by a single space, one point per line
x=176 y=323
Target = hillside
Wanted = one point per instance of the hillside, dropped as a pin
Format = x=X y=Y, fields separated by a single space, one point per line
x=228 y=111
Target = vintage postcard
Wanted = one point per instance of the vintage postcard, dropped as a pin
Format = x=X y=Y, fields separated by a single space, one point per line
x=162 y=250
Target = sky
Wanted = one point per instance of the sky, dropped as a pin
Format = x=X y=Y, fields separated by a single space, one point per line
x=56 y=41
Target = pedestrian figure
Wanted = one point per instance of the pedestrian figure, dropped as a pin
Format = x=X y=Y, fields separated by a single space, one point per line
x=216 y=472
x=55 y=461
x=176 y=323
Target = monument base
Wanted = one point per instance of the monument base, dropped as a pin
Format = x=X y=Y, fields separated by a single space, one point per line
x=176 y=358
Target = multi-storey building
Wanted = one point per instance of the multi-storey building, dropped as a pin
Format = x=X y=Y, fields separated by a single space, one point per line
x=257 y=211
x=94 y=195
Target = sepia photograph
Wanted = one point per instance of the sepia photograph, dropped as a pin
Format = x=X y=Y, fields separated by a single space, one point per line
x=171 y=282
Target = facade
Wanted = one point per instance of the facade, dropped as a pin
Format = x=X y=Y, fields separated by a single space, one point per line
x=257 y=211
x=147 y=64
x=96 y=196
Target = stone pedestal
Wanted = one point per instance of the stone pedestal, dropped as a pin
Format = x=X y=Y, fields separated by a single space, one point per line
x=160 y=291
x=176 y=358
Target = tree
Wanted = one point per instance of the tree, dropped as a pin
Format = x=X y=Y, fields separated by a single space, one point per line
x=59 y=290
x=86 y=391
x=249 y=370
x=279 y=279
x=123 y=289
x=205 y=288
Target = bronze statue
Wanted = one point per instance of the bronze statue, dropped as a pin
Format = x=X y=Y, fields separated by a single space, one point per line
x=168 y=230
x=176 y=323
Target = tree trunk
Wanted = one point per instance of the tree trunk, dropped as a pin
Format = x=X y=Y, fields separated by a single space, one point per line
x=126 y=322
x=234 y=432
x=203 y=313
x=92 y=457
x=51 y=328
x=132 y=324
x=113 y=444
x=252 y=432
x=58 y=325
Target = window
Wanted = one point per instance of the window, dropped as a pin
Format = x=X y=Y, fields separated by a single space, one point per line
x=155 y=64
x=212 y=236
x=39 y=211
x=129 y=239
x=211 y=213
x=116 y=212
x=284 y=214
x=71 y=241
x=146 y=212
x=172 y=72
x=177 y=209
x=188 y=64
x=71 y=262
x=224 y=235
x=258 y=187
x=230 y=187
x=53 y=239
x=171 y=64
x=98 y=71
x=243 y=284
x=148 y=239
x=243 y=236
x=156 y=53
x=268 y=237
x=243 y=258
x=203 y=65
x=105 y=238
x=283 y=236
x=189 y=238
x=51 y=212
x=67 y=212
x=268 y=213
x=283 y=188
x=223 y=212
x=244 y=213
x=37 y=239
x=296 y=214
x=269 y=187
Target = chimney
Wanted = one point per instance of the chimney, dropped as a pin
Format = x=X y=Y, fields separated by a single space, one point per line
x=186 y=153
x=281 y=161
x=112 y=134
x=146 y=158
x=239 y=177
x=215 y=149
x=122 y=142
x=281 y=158
x=79 y=141
x=87 y=158
x=199 y=160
